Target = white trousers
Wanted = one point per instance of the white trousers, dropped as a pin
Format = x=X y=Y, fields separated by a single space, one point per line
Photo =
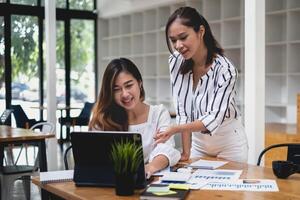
x=229 y=143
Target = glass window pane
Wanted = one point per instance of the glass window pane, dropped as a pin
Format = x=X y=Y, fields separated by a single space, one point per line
x=24 y=58
x=60 y=65
x=2 y=77
x=81 y=4
x=24 y=2
x=82 y=61
x=59 y=3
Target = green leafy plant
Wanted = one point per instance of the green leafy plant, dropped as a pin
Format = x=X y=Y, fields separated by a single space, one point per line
x=126 y=156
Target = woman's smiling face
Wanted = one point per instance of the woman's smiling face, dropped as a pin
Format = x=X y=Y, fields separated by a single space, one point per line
x=127 y=91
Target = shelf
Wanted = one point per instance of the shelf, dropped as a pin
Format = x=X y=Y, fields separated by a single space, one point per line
x=164 y=90
x=195 y=4
x=140 y=36
x=161 y=42
x=209 y=6
x=138 y=61
x=293 y=25
x=113 y=25
x=275 y=5
x=276 y=59
x=150 y=90
x=231 y=33
x=137 y=44
x=163 y=14
x=125 y=24
x=276 y=28
x=150 y=66
x=275 y=114
x=150 y=43
x=293 y=4
x=216 y=30
x=114 y=47
x=125 y=46
x=137 y=22
x=278 y=84
x=163 y=65
x=149 y=20
x=294 y=88
x=231 y=8
x=234 y=55
x=293 y=58
x=275 y=104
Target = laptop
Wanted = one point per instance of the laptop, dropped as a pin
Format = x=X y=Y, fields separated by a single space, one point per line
x=92 y=163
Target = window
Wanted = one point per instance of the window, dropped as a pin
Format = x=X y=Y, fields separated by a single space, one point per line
x=81 y=4
x=82 y=61
x=2 y=77
x=25 y=79
x=24 y=62
x=24 y=2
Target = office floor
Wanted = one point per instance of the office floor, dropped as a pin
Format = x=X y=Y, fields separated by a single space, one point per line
x=18 y=192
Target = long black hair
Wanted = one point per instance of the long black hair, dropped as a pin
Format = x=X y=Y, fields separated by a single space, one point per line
x=192 y=18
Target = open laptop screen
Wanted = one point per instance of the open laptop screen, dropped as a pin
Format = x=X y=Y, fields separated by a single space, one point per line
x=93 y=165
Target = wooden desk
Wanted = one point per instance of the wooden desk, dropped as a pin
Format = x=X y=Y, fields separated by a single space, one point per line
x=276 y=133
x=288 y=189
x=9 y=135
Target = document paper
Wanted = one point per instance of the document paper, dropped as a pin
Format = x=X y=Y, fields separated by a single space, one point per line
x=202 y=177
x=207 y=164
x=262 y=185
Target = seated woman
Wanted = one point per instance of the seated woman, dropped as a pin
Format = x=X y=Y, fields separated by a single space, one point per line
x=120 y=107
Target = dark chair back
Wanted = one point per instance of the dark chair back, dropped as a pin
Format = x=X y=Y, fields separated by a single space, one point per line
x=66 y=157
x=86 y=110
x=20 y=116
x=293 y=152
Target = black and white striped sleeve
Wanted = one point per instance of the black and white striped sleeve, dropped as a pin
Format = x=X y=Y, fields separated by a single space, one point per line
x=222 y=95
x=178 y=85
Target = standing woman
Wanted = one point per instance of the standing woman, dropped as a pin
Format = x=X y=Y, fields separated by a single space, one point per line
x=120 y=107
x=203 y=87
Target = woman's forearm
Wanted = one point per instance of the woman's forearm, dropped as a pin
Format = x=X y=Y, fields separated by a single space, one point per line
x=190 y=127
x=159 y=162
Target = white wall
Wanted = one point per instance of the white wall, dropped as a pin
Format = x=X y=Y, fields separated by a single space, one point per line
x=111 y=8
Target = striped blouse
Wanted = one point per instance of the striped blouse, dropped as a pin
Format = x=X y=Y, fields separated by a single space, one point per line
x=213 y=100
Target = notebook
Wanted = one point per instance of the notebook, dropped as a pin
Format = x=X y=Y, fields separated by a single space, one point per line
x=171 y=194
x=92 y=162
x=175 y=177
x=56 y=176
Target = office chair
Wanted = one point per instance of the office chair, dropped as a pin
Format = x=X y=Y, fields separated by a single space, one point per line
x=293 y=152
x=81 y=120
x=5 y=116
x=44 y=127
x=13 y=172
x=21 y=118
x=66 y=157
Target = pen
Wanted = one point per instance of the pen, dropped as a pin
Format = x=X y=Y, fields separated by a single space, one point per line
x=250 y=181
x=202 y=167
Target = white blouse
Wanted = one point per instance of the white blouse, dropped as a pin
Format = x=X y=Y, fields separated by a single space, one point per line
x=213 y=100
x=158 y=119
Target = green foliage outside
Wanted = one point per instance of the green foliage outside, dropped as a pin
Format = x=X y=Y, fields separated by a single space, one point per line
x=126 y=157
x=24 y=41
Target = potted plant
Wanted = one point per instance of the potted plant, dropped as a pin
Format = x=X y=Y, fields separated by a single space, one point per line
x=126 y=157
